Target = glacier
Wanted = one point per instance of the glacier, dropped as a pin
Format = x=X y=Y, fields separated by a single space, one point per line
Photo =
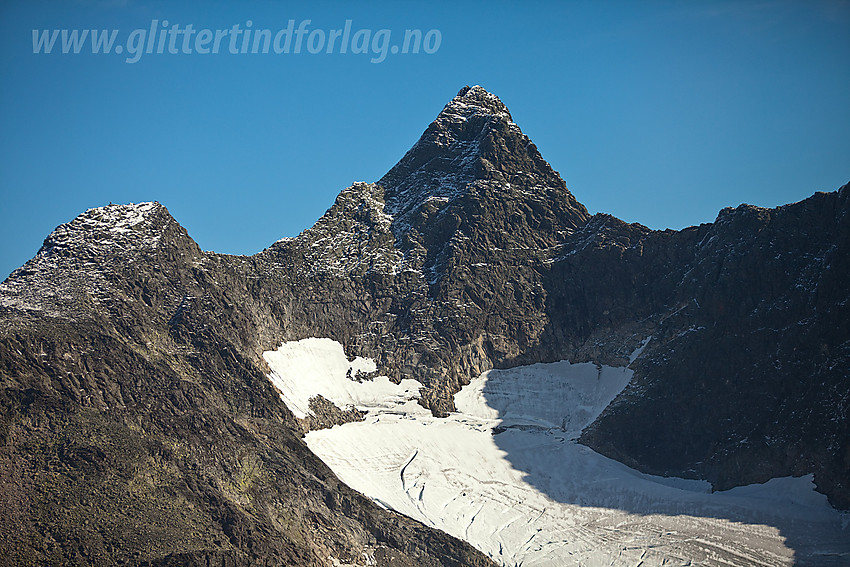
x=506 y=474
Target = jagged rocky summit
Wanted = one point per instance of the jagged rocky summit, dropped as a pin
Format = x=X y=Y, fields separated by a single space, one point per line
x=138 y=424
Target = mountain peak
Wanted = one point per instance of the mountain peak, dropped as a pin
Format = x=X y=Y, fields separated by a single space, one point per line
x=475 y=100
x=111 y=227
x=473 y=142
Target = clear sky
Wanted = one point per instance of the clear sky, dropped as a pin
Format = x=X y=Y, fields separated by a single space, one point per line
x=657 y=112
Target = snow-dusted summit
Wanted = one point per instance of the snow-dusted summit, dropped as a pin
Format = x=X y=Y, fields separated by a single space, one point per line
x=72 y=264
x=106 y=228
x=473 y=144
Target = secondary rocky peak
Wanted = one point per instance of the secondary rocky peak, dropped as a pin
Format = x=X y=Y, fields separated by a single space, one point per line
x=85 y=259
x=105 y=227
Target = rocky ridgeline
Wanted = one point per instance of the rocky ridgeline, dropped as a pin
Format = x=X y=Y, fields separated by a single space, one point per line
x=134 y=390
x=138 y=426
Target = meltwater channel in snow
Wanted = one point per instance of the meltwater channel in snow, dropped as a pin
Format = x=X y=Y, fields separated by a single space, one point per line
x=506 y=474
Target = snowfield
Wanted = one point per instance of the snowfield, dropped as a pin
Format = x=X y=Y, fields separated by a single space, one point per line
x=505 y=473
x=318 y=367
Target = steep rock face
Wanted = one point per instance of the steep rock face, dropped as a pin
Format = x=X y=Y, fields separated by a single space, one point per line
x=746 y=377
x=137 y=425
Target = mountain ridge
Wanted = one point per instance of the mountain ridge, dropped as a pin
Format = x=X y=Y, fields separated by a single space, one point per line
x=122 y=330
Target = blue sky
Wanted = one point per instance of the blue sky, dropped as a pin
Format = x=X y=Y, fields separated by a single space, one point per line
x=657 y=112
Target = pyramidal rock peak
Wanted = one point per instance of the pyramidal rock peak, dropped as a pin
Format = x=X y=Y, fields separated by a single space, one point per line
x=143 y=419
x=473 y=144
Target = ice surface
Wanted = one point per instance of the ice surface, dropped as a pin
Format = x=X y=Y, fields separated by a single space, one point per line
x=558 y=395
x=505 y=474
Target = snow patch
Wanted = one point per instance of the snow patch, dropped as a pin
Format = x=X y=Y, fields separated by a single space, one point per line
x=639 y=350
x=318 y=367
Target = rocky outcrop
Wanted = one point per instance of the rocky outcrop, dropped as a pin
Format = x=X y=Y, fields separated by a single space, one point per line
x=325 y=414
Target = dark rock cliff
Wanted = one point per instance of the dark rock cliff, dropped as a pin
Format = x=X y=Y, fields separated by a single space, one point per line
x=747 y=376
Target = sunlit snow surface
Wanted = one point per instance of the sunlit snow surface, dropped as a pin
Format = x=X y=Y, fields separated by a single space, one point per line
x=506 y=475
